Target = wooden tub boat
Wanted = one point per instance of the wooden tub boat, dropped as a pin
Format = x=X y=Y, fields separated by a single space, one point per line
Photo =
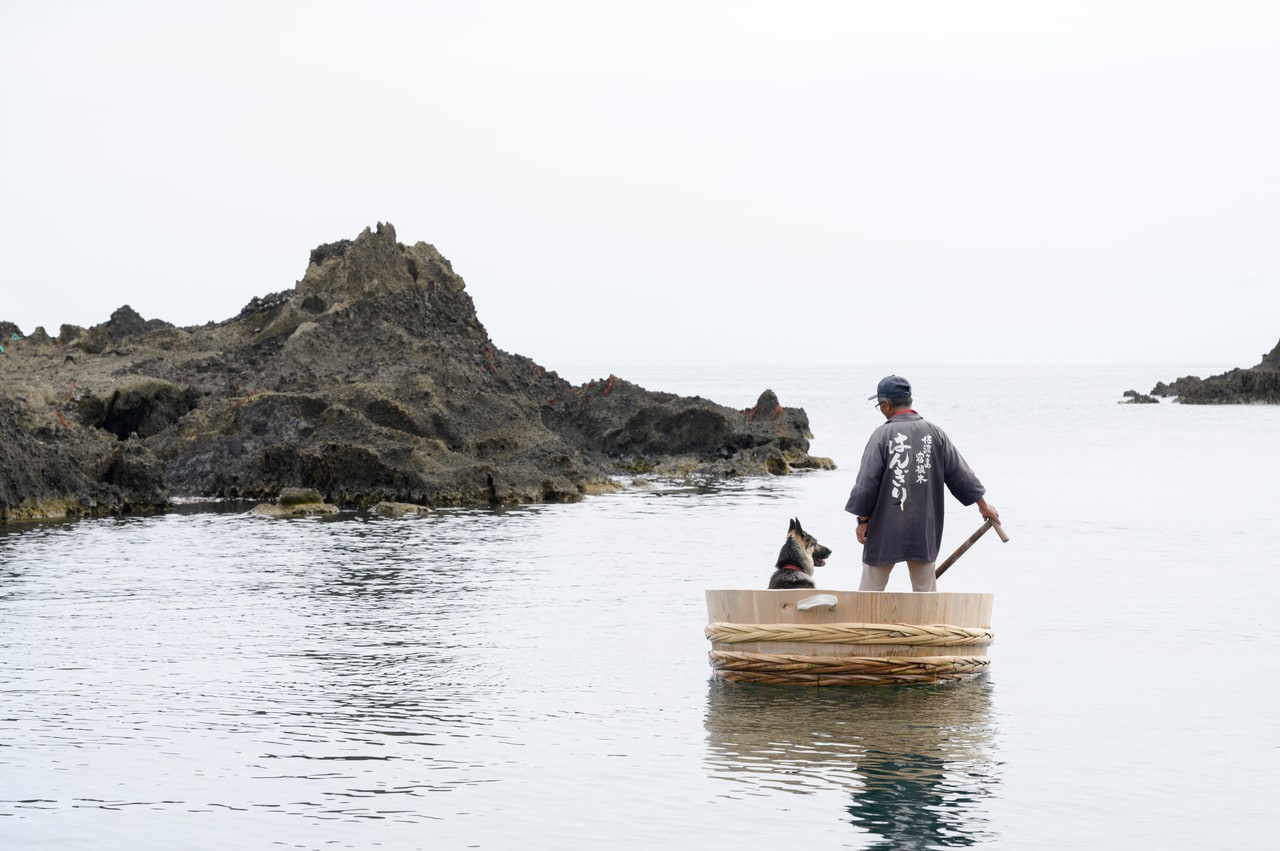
x=820 y=638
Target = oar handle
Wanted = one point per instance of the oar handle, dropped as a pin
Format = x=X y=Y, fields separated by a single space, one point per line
x=963 y=548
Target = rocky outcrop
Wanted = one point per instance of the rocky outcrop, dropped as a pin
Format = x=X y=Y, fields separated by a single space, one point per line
x=1257 y=385
x=295 y=502
x=371 y=382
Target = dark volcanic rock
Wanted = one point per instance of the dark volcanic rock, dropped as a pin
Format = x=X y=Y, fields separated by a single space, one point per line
x=55 y=469
x=371 y=382
x=1257 y=385
x=125 y=322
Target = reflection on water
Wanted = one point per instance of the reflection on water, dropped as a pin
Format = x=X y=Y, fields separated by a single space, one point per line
x=918 y=761
x=416 y=674
x=233 y=673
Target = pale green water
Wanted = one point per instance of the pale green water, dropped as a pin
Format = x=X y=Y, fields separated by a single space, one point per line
x=537 y=678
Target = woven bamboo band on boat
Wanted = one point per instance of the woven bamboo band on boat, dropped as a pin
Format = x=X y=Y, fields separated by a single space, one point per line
x=784 y=669
x=936 y=635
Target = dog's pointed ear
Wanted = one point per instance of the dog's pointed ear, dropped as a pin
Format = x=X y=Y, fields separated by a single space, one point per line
x=795 y=525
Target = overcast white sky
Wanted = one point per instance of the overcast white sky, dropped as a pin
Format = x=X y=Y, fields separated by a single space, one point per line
x=668 y=182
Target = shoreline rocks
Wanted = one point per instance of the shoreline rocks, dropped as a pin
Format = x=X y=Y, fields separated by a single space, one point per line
x=371 y=382
x=1259 y=384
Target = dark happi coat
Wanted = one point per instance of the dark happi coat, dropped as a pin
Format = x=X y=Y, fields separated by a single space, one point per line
x=905 y=467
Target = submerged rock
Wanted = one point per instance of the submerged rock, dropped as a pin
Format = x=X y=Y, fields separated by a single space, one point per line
x=295 y=502
x=399 y=509
x=372 y=381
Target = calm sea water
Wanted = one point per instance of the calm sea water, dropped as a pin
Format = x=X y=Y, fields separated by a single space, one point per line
x=537 y=678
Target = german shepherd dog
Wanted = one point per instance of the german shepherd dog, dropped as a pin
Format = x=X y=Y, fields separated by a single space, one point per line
x=800 y=554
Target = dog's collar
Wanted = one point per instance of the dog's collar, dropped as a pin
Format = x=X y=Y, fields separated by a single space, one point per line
x=790 y=567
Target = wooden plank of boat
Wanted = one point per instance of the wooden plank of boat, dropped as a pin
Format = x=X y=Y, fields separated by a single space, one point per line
x=818 y=637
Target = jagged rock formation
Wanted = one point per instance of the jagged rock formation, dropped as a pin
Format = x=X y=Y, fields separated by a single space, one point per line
x=1257 y=385
x=372 y=382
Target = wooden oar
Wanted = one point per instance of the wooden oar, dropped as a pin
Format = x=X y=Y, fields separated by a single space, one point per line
x=951 y=559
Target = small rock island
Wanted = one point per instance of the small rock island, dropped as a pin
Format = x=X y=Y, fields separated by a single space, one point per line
x=371 y=383
x=1256 y=385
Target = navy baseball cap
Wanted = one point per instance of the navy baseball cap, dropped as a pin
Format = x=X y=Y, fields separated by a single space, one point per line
x=892 y=387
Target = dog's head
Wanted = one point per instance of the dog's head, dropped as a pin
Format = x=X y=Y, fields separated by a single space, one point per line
x=808 y=543
x=801 y=542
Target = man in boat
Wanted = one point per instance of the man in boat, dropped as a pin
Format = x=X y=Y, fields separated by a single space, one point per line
x=900 y=494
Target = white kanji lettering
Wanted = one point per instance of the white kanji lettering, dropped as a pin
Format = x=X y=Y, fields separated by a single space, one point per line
x=899 y=461
x=924 y=460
